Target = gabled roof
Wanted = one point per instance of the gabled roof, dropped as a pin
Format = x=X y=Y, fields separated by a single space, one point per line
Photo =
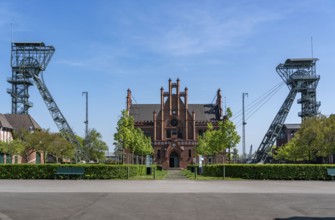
x=292 y=126
x=22 y=121
x=203 y=112
x=144 y=112
x=4 y=122
x=300 y=62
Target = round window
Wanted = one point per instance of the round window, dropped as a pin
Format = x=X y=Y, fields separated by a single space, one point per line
x=174 y=122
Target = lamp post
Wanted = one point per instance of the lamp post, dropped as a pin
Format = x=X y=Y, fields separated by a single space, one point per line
x=243 y=130
x=86 y=119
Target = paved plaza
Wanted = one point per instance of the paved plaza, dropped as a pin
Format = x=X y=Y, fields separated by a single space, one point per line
x=166 y=199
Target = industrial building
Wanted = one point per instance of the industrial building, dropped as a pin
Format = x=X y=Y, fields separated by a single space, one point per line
x=174 y=125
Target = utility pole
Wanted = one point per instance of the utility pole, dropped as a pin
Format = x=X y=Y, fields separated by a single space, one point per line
x=243 y=128
x=86 y=120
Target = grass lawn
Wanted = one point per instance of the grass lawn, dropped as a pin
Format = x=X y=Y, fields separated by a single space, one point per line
x=160 y=175
x=191 y=176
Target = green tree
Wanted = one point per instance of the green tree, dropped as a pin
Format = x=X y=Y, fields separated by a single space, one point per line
x=309 y=138
x=327 y=148
x=124 y=131
x=141 y=143
x=289 y=152
x=315 y=139
x=60 y=148
x=14 y=147
x=130 y=138
x=53 y=144
x=94 y=147
x=215 y=142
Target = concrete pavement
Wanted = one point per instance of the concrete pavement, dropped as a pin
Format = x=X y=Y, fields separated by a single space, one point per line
x=170 y=199
x=168 y=186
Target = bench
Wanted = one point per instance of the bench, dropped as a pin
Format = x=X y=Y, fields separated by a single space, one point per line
x=331 y=172
x=68 y=171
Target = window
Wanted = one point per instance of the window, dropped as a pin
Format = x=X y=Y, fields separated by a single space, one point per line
x=2 y=158
x=174 y=122
x=159 y=154
x=168 y=133
x=190 y=153
x=174 y=132
x=180 y=134
x=147 y=133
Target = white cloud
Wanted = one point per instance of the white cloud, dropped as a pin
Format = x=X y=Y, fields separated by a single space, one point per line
x=203 y=32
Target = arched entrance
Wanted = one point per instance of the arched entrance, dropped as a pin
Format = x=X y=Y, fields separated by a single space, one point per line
x=2 y=158
x=174 y=159
x=8 y=159
x=38 y=158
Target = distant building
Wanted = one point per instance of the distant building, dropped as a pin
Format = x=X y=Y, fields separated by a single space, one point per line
x=8 y=124
x=6 y=129
x=287 y=133
x=174 y=125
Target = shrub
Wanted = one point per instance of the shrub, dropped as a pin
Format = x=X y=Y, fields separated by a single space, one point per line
x=270 y=171
x=47 y=171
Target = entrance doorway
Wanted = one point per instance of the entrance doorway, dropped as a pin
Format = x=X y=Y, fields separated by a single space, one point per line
x=38 y=158
x=174 y=160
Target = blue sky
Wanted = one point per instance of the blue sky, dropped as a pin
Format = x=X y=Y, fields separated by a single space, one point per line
x=106 y=47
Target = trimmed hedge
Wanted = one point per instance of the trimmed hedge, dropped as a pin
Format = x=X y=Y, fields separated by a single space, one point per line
x=269 y=171
x=47 y=171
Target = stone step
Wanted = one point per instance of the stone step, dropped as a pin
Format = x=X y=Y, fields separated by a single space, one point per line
x=175 y=174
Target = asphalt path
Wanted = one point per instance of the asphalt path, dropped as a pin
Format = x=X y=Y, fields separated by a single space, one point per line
x=177 y=199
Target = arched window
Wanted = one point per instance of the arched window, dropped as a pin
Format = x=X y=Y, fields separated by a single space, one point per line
x=2 y=157
x=38 y=158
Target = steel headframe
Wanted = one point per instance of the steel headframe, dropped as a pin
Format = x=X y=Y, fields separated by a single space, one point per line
x=27 y=61
x=300 y=77
x=300 y=74
x=26 y=58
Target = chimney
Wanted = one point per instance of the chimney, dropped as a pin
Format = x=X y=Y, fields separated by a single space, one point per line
x=128 y=100
x=155 y=124
x=178 y=97
x=193 y=119
x=219 y=103
x=170 y=96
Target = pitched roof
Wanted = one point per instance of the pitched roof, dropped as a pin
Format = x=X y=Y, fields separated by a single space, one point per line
x=4 y=122
x=22 y=121
x=203 y=112
x=293 y=126
x=144 y=112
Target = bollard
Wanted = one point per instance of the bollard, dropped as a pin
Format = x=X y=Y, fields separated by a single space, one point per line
x=224 y=171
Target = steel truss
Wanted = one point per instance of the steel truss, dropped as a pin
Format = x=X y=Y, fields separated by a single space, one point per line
x=300 y=77
x=28 y=60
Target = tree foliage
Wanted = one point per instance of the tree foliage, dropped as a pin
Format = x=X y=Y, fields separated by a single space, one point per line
x=14 y=147
x=25 y=143
x=131 y=138
x=217 y=141
x=94 y=147
x=315 y=139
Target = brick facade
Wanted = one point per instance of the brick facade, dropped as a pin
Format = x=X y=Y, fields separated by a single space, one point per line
x=174 y=125
x=11 y=122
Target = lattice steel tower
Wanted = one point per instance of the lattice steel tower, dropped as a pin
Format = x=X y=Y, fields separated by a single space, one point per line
x=300 y=77
x=28 y=60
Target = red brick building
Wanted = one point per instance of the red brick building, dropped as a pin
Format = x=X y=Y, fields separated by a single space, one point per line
x=287 y=133
x=8 y=124
x=174 y=125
